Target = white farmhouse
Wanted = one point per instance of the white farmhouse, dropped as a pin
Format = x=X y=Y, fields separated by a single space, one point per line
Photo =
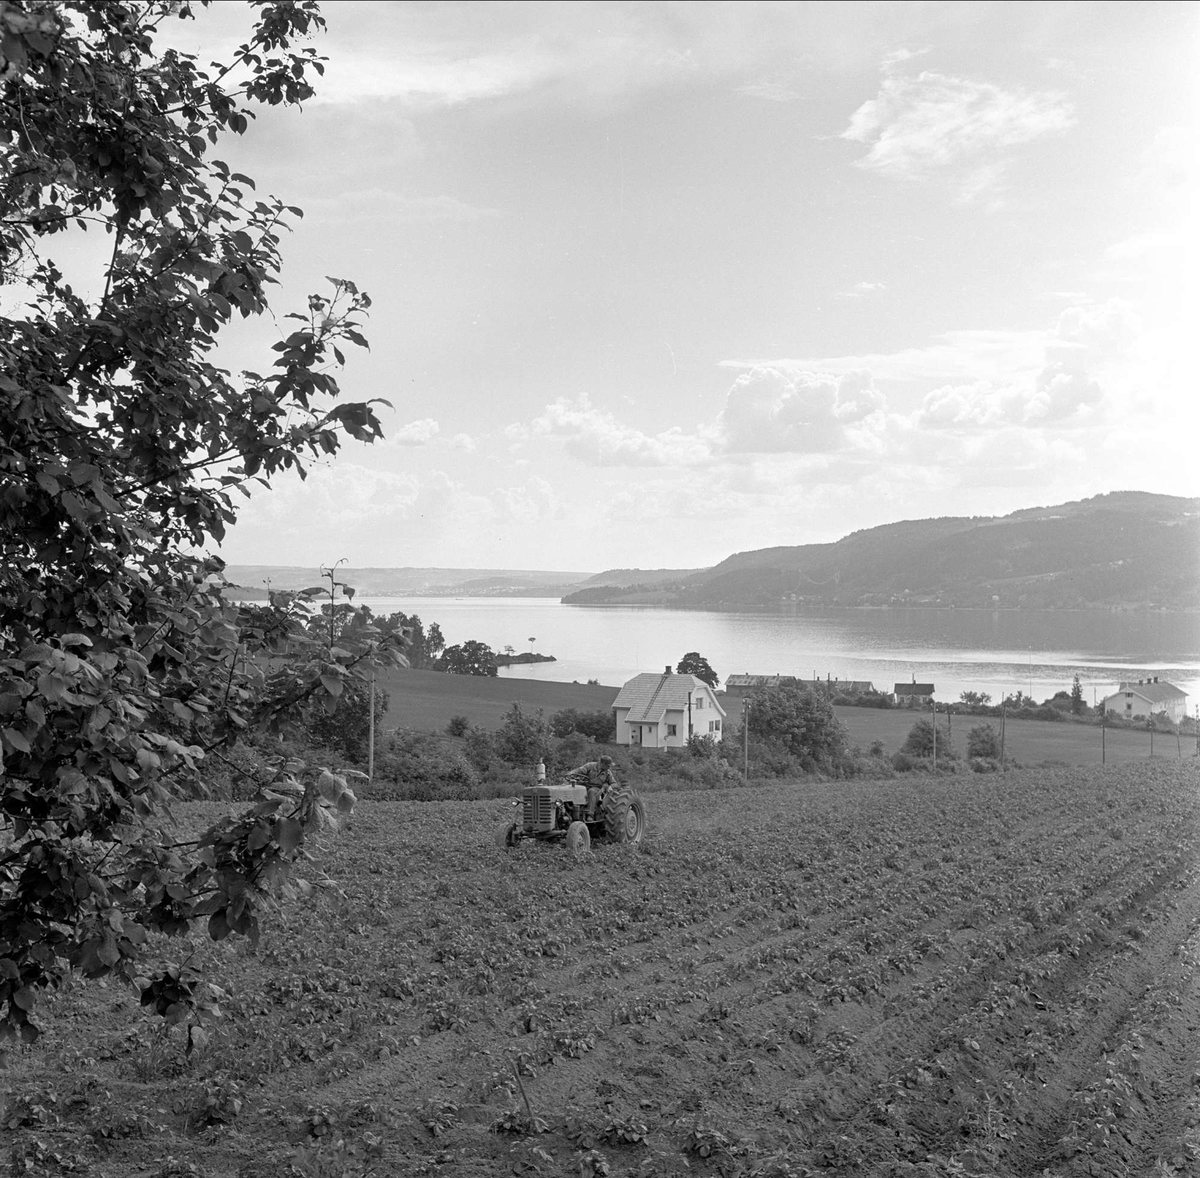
x=1148 y=697
x=660 y=711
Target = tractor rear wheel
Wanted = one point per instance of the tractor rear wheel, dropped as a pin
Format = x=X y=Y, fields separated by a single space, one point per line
x=504 y=836
x=579 y=838
x=624 y=815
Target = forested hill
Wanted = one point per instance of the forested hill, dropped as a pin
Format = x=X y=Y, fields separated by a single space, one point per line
x=1124 y=550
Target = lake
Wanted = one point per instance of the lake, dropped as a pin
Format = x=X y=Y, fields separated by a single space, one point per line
x=997 y=651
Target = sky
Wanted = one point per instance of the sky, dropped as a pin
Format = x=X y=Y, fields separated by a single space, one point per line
x=655 y=283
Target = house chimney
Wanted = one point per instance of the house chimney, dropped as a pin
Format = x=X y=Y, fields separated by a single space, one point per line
x=668 y=669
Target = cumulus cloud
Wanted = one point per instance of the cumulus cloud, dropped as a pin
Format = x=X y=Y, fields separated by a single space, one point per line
x=935 y=124
x=416 y=433
x=596 y=437
x=1059 y=396
x=1096 y=332
x=771 y=411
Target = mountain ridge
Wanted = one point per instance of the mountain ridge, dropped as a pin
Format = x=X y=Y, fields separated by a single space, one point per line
x=1120 y=550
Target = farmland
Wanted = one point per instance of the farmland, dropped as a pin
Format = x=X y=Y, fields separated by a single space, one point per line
x=916 y=977
x=425 y=701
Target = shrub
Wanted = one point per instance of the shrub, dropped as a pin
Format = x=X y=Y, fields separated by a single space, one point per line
x=420 y=768
x=983 y=741
x=919 y=741
x=804 y=723
x=480 y=749
x=522 y=739
x=703 y=746
x=599 y=725
x=458 y=726
x=347 y=727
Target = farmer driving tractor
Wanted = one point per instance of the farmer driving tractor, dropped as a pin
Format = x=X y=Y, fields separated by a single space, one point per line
x=597 y=776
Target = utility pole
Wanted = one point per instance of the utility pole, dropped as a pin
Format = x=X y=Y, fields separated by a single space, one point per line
x=371 y=734
x=1003 y=719
x=933 y=710
x=746 y=738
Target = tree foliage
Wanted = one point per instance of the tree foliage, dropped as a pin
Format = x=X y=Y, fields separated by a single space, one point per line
x=122 y=446
x=696 y=664
x=802 y=721
x=920 y=741
x=468 y=658
x=983 y=741
x=600 y=725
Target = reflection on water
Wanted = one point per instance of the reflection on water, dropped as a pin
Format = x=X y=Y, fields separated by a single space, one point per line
x=998 y=651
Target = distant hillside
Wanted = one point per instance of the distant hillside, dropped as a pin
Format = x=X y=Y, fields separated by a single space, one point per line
x=629 y=586
x=1125 y=550
x=410 y=582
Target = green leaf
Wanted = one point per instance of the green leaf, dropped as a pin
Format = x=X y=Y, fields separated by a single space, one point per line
x=289 y=834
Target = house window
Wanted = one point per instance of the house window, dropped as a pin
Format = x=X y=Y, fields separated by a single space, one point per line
x=699 y=703
x=714 y=725
x=671 y=730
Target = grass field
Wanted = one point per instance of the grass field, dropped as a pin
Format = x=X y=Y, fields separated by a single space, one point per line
x=425 y=701
x=922 y=977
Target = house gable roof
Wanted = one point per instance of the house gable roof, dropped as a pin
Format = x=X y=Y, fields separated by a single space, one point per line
x=913 y=689
x=1156 y=693
x=649 y=697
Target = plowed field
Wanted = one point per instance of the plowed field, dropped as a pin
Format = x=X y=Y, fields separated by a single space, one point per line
x=993 y=975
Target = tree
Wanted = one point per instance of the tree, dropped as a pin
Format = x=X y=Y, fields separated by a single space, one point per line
x=469 y=658
x=802 y=721
x=696 y=664
x=975 y=699
x=122 y=444
x=1077 y=704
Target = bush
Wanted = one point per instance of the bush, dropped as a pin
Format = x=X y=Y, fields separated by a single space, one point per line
x=702 y=746
x=458 y=726
x=419 y=768
x=348 y=726
x=983 y=741
x=523 y=739
x=919 y=741
x=480 y=749
x=804 y=724
x=601 y=725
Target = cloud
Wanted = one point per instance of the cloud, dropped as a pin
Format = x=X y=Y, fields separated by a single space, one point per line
x=416 y=433
x=465 y=443
x=954 y=355
x=769 y=91
x=770 y=411
x=1097 y=332
x=595 y=437
x=1059 y=396
x=937 y=125
x=859 y=289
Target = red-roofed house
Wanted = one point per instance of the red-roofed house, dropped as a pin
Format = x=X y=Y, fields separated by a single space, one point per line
x=660 y=711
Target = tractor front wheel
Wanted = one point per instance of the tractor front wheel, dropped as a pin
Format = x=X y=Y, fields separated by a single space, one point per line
x=624 y=815
x=579 y=838
x=506 y=836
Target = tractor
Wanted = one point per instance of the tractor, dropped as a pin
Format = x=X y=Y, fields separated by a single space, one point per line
x=559 y=812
